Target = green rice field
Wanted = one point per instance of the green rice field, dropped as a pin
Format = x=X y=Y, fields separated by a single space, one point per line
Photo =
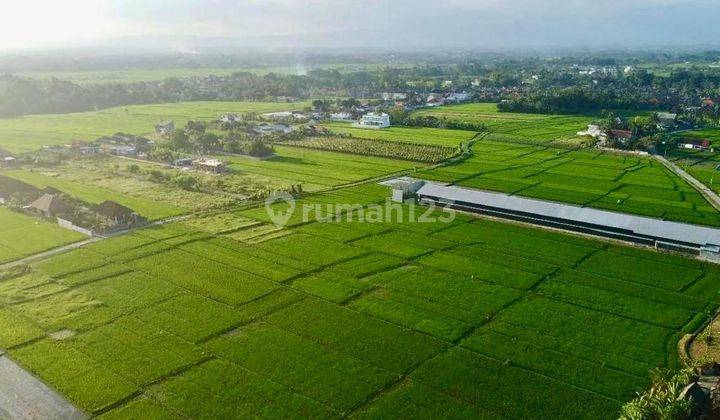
x=590 y=178
x=513 y=126
x=22 y=235
x=417 y=135
x=34 y=131
x=468 y=319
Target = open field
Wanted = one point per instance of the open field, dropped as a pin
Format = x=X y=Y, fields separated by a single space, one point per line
x=473 y=318
x=513 y=126
x=147 y=199
x=153 y=75
x=21 y=235
x=381 y=148
x=588 y=178
x=418 y=135
x=316 y=169
x=31 y=132
x=703 y=166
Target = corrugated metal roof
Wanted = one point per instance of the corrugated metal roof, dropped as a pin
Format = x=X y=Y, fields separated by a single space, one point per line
x=675 y=231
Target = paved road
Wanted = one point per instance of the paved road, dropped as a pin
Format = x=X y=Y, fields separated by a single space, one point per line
x=703 y=189
x=23 y=396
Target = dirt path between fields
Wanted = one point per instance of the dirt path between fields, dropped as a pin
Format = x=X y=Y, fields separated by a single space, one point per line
x=23 y=396
x=703 y=189
x=55 y=251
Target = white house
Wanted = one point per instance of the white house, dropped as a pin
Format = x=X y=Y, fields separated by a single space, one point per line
x=374 y=120
x=593 y=131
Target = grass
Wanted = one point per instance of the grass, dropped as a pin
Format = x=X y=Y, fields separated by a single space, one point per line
x=22 y=235
x=416 y=135
x=316 y=169
x=32 y=132
x=475 y=318
x=586 y=178
x=513 y=126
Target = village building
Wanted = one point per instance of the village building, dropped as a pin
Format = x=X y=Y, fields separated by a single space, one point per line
x=210 y=165
x=623 y=136
x=230 y=118
x=341 y=116
x=435 y=99
x=458 y=97
x=593 y=131
x=667 y=120
x=8 y=161
x=267 y=129
x=183 y=162
x=374 y=120
x=394 y=96
x=116 y=214
x=696 y=144
x=165 y=128
x=282 y=115
x=49 y=205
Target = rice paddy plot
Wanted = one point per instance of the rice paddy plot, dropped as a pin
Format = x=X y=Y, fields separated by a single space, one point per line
x=415 y=135
x=22 y=235
x=474 y=318
x=28 y=133
x=511 y=126
x=620 y=183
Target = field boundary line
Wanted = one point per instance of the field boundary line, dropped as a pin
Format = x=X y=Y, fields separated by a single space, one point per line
x=710 y=196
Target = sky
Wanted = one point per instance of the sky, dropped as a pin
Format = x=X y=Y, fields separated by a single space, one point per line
x=482 y=24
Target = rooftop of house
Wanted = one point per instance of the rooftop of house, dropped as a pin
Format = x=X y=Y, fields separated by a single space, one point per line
x=623 y=134
x=49 y=203
x=696 y=142
x=113 y=210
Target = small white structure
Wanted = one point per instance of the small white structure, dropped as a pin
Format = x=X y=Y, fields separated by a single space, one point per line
x=403 y=188
x=458 y=97
x=272 y=128
x=282 y=115
x=375 y=120
x=593 y=131
x=394 y=96
x=341 y=116
x=710 y=253
x=210 y=165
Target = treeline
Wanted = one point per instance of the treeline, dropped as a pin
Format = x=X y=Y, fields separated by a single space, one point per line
x=400 y=116
x=573 y=100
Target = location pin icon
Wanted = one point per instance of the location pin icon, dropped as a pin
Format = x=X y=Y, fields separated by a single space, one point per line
x=274 y=207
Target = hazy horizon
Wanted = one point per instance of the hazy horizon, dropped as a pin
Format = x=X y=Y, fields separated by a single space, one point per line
x=400 y=24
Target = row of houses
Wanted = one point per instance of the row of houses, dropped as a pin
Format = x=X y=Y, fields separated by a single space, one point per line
x=413 y=100
x=624 y=136
x=119 y=144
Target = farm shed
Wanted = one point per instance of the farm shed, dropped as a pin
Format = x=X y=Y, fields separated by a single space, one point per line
x=116 y=213
x=210 y=165
x=49 y=205
x=642 y=230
